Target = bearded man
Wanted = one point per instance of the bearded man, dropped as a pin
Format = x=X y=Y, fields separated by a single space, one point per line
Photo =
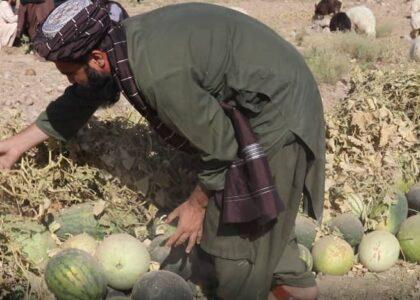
x=216 y=82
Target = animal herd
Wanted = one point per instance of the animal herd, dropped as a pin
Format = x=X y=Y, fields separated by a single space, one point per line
x=362 y=20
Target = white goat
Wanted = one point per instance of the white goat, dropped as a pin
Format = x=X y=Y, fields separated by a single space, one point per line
x=362 y=20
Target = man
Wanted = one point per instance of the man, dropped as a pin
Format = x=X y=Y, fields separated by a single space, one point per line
x=215 y=81
x=8 y=23
x=31 y=14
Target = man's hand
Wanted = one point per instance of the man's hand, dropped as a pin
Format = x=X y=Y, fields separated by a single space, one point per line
x=12 y=148
x=190 y=224
x=8 y=155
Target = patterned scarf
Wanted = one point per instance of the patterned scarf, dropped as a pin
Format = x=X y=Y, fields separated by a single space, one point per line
x=249 y=196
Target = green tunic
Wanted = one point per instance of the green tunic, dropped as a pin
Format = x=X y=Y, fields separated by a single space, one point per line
x=188 y=57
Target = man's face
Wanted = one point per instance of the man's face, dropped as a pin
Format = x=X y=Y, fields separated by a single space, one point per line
x=83 y=74
x=75 y=72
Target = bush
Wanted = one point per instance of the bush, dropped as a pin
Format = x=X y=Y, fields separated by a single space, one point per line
x=328 y=66
x=384 y=29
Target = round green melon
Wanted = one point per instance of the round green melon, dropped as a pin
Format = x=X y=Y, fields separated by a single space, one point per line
x=396 y=214
x=349 y=227
x=306 y=256
x=409 y=238
x=123 y=259
x=379 y=250
x=74 y=274
x=413 y=197
x=77 y=219
x=305 y=230
x=356 y=204
x=332 y=255
x=82 y=242
x=161 y=285
x=35 y=247
x=171 y=259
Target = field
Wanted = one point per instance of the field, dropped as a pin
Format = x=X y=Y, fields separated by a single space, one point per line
x=117 y=159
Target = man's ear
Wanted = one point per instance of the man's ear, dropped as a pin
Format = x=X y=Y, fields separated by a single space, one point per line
x=97 y=59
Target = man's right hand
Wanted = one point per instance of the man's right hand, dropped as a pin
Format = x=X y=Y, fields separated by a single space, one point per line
x=12 y=148
x=8 y=155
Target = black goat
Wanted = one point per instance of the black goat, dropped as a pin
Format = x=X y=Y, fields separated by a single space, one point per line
x=340 y=21
x=326 y=7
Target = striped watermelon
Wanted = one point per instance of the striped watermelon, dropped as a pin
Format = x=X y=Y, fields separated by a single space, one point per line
x=74 y=274
x=306 y=256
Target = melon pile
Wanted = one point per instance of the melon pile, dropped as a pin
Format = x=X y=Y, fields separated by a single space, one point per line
x=344 y=242
x=86 y=269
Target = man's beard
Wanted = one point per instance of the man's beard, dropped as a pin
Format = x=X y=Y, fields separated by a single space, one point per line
x=98 y=81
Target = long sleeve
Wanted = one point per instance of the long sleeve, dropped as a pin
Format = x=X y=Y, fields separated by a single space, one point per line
x=65 y=116
x=189 y=109
x=7 y=14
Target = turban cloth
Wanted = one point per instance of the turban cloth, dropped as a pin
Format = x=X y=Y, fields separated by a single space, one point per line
x=75 y=28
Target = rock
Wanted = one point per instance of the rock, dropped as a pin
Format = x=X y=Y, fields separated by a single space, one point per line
x=30 y=72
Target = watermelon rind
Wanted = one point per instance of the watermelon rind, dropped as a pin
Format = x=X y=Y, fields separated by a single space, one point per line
x=413 y=198
x=74 y=274
x=306 y=256
x=305 y=231
x=409 y=238
x=349 y=227
x=395 y=215
x=173 y=259
x=161 y=285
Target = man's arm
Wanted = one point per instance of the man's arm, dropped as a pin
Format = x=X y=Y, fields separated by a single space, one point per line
x=183 y=104
x=12 y=148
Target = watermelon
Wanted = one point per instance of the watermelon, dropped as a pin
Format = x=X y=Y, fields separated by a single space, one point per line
x=171 y=259
x=379 y=250
x=123 y=259
x=114 y=293
x=356 y=205
x=349 y=227
x=413 y=197
x=305 y=230
x=82 y=242
x=332 y=255
x=35 y=247
x=395 y=215
x=161 y=285
x=75 y=220
x=409 y=238
x=74 y=274
x=306 y=256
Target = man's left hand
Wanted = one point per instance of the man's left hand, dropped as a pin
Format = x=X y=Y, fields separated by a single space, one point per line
x=190 y=224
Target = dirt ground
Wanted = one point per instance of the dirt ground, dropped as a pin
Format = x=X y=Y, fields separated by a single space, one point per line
x=27 y=85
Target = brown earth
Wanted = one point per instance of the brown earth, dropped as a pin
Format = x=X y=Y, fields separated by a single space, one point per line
x=27 y=85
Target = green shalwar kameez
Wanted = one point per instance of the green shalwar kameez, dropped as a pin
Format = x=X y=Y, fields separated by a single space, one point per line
x=185 y=59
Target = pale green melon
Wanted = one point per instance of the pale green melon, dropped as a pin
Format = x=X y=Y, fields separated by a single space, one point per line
x=409 y=238
x=82 y=242
x=332 y=255
x=123 y=259
x=379 y=250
